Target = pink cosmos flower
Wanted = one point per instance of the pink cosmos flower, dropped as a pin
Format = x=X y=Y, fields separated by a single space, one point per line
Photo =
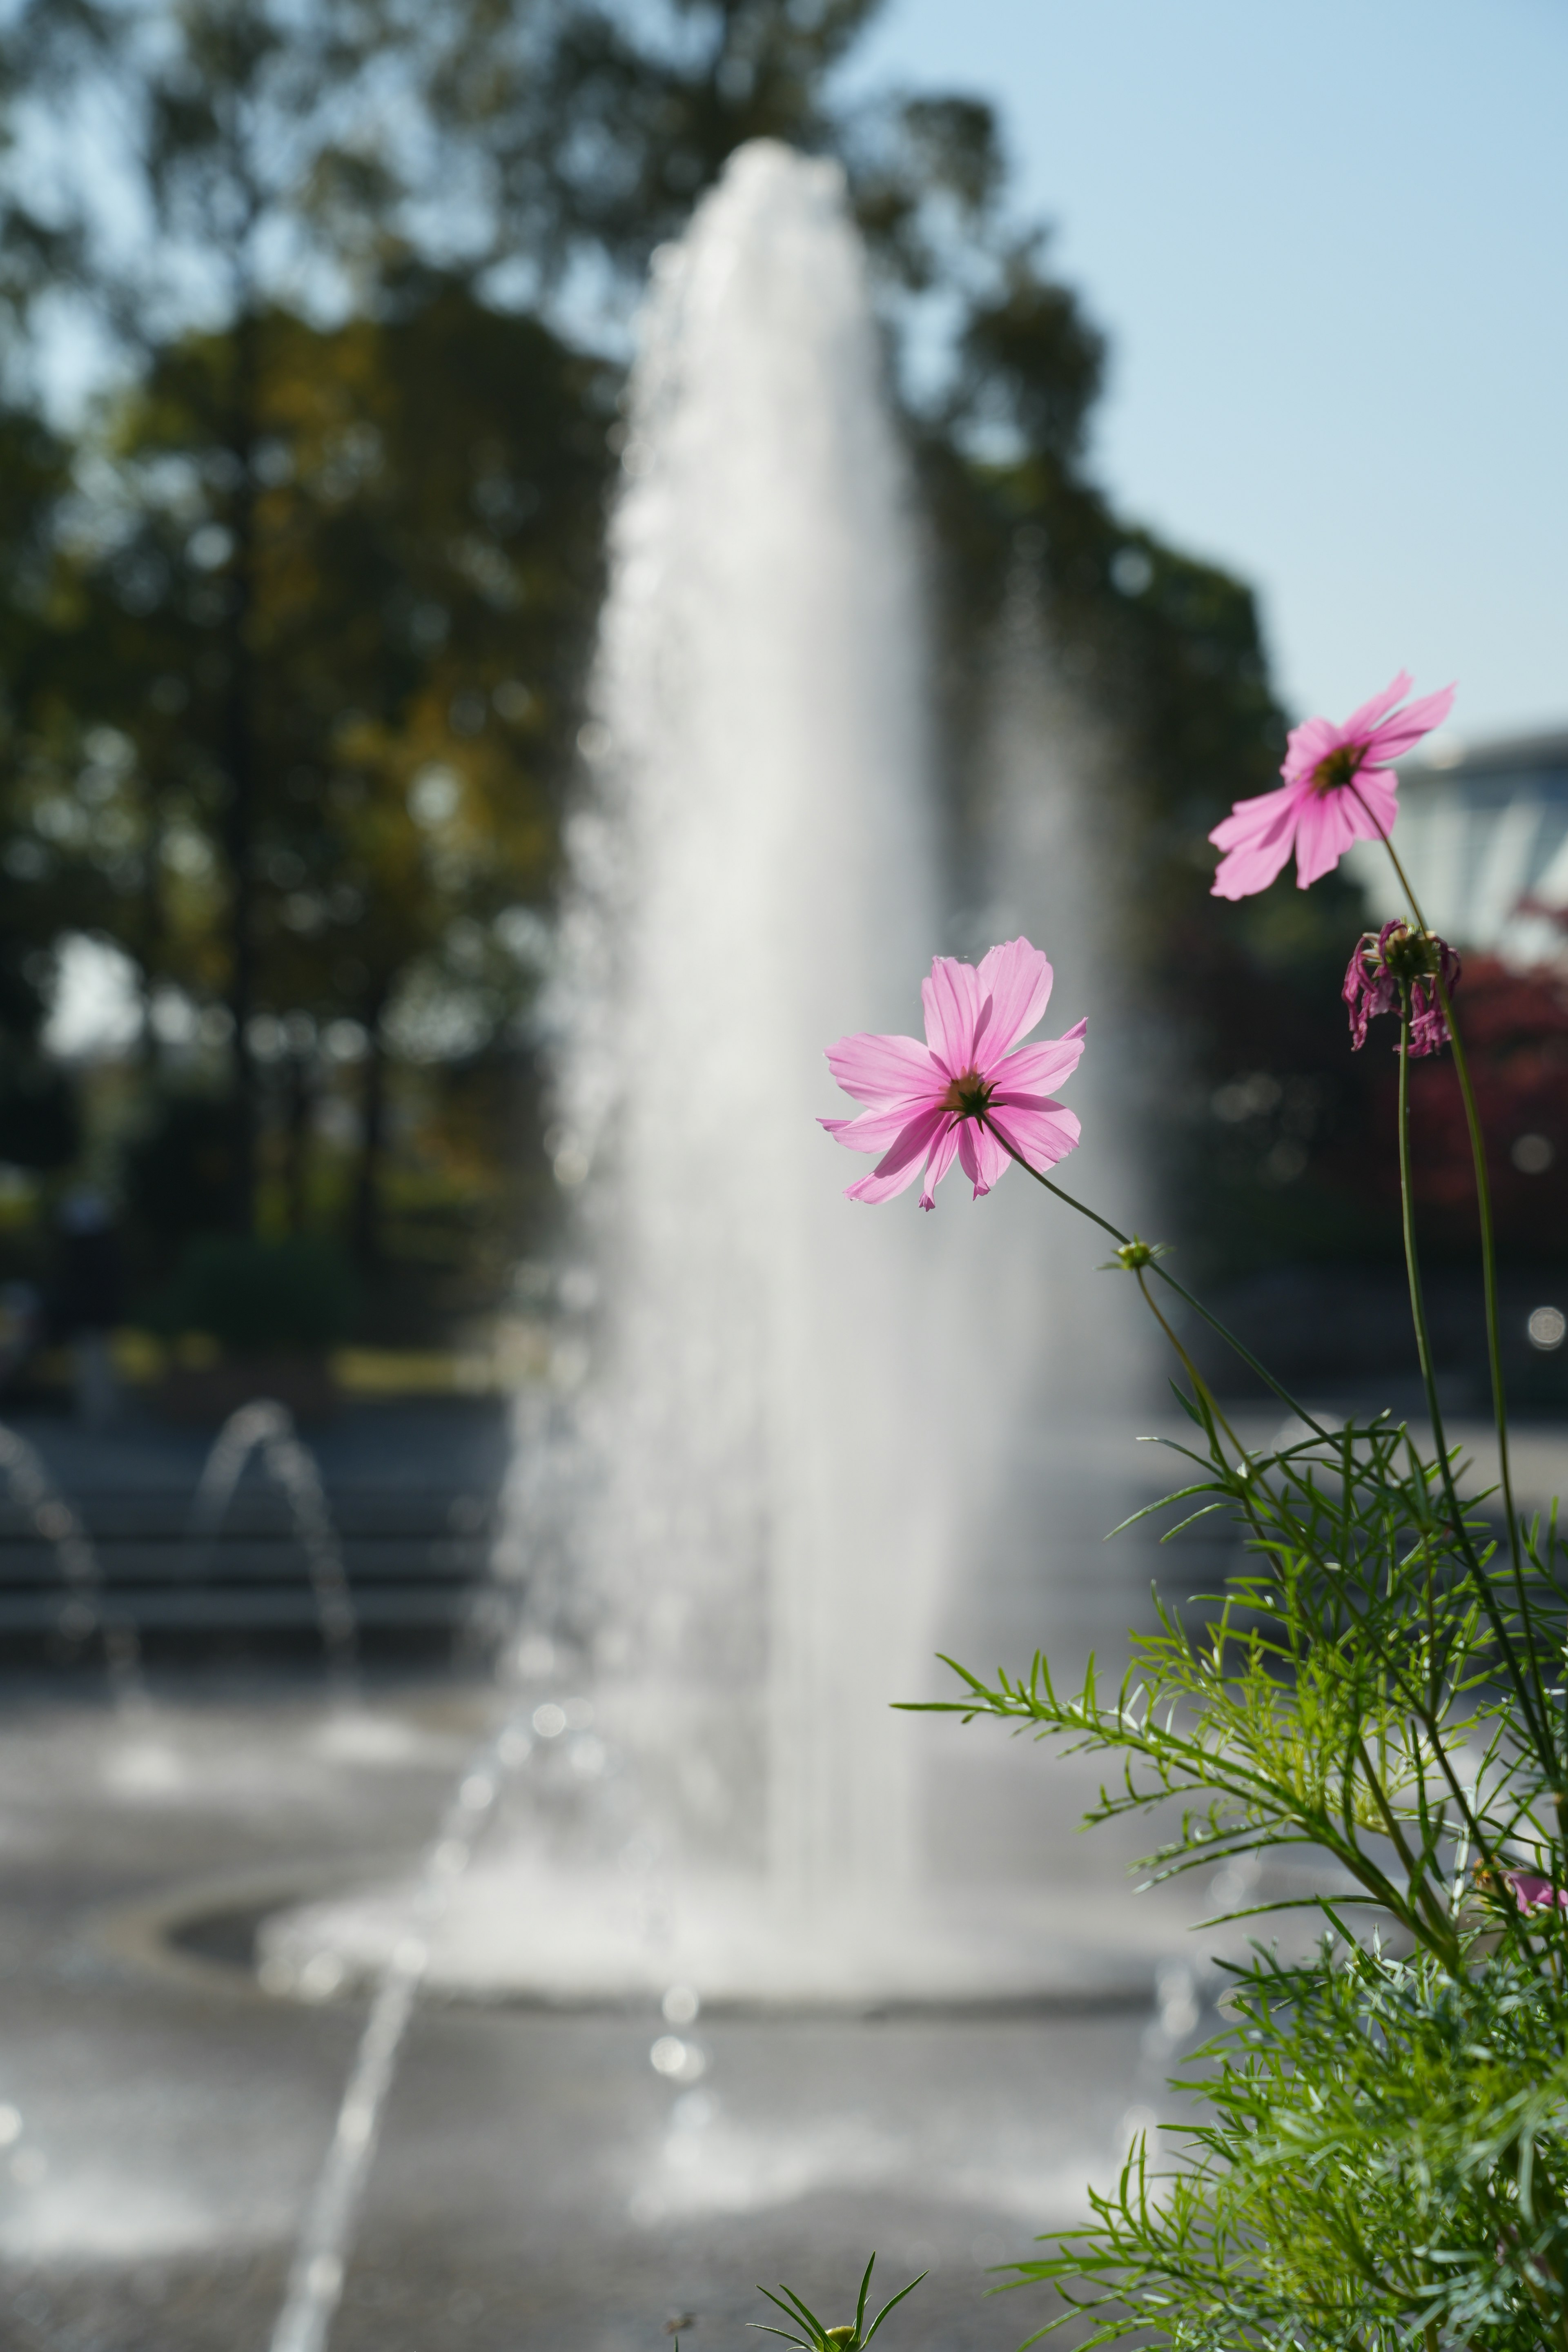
x=965 y=1091
x=1337 y=789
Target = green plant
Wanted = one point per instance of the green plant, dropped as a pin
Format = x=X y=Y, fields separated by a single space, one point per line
x=40 y=1120
x=1385 y=2149
x=1380 y=2156
x=179 y=1173
x=818 y=2336
x=1386 y=2143
x=257 y=1298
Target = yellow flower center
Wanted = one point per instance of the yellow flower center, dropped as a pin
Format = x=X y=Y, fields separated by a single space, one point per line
x=968 y=1094
x=1338 y=768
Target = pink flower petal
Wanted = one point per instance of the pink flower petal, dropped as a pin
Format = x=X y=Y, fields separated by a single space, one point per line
x=874 y=1189
x=874 y=1130
x=981 y=1157
x=1036 y=1069
x=896 y=1172
x=953 y=1001
x=1359 y=724
x=941 y=1161
x=1258 y=847
x=1041 y=1136
x=966 y=1159
x=1246 y=871
x=1327 y=828
x=1255 y=824
x=1375 y=803
x=1405 y=730
x=1305 y=745
x=1017 y=979
x=885 y=1070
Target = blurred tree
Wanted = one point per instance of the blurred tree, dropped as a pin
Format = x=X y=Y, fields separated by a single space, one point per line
x=583 y=133
x=178 y=1176
x=35 y=476
x=580 y=130
x=421 y=562
x=49 y=881
x=230 y=152
x=336 y=549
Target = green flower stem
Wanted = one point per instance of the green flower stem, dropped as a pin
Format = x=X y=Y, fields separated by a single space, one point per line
x=1245 y=1354
x=1488 y=1282
x=1201 y=1389
x=1445 y=1943
x=1479 y=1576
x=1407 y=1230
x=1423 y=1708
x=1494 y=1327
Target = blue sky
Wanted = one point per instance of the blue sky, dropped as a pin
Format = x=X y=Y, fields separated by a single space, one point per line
x=1329 y=241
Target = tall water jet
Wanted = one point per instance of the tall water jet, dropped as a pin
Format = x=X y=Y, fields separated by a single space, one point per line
x=755 y=874
x=265 y=1428
x=86 y=1610
x=781 y=1419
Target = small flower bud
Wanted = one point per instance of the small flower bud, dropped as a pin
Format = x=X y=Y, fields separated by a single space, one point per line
x=1133 y=1255
x=841 y=2335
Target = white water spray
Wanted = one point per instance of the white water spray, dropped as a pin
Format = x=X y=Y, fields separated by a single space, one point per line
x=87 y=1611
x=755 y=875
x=267 y=1429
x=790 y=1419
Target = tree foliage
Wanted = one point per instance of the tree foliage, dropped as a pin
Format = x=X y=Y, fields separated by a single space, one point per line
x=297 y=732
x=422 y=550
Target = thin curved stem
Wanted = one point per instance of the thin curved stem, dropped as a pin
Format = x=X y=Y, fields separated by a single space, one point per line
x=1494 y=1328
x=1488 y=1273
x=1479 y=1575
x=1407 y=1231
x=1236 y=1346
x=1201 y=1388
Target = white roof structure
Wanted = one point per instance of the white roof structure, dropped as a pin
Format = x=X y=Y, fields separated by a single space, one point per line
x=1483 y=836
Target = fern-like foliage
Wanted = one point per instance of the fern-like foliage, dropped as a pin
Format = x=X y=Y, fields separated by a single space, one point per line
x=1381 y=2150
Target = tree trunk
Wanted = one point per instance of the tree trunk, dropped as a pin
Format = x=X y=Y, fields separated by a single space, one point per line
x=366 y=1230
x=240 y=765
x=153 y=928
x=297 y=1139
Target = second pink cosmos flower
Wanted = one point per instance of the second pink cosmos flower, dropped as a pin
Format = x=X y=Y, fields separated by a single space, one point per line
x=966 y=1093
x=1339 y=787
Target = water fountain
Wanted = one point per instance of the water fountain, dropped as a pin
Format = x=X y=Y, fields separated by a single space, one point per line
x=783 y=1419
x=85 y=1612
x=266 y=1429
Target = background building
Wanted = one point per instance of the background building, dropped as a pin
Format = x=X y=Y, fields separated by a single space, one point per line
x=1483 y=836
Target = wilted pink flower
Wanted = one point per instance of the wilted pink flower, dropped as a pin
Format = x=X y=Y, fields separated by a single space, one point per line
x=964 y=1091
x=1384 y=959
x=1337 y=789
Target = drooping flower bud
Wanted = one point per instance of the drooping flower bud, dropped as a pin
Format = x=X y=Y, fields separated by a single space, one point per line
x=1388 y=963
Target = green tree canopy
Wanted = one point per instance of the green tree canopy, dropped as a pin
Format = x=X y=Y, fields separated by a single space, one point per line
x=334 y=544
x=423 y=562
